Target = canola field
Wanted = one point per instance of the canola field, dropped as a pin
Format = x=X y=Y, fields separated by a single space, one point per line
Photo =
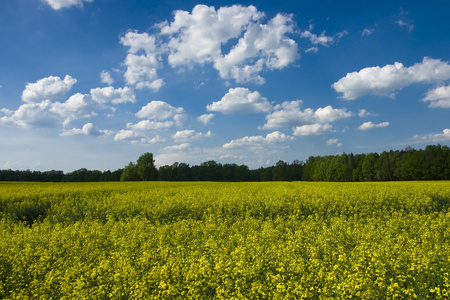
x=205 y=240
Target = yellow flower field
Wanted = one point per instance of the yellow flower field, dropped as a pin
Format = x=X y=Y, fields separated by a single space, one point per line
x=206 y=240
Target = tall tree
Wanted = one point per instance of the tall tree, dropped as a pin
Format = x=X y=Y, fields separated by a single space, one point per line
x=146 y=167
x=130 y=173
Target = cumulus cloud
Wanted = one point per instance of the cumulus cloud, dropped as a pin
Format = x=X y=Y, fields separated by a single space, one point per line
x=50 y=114
x=49 y=88
x=289 y=114
x=159 y=116
x=58 y=4
x=142 y=72
x=180 y=147
x=206 y=118
x=258 y=142
x=189 y=135
x=147 y=125
x=160 y=110
x=31 y=115
x=390 y=78
x=88 y=129
x=312 y=129
x=142 y=69
x=268 y=45
x=139 y=42
x=370 y=125
x=438 y=97
x=331 y=142
x=105 y=76
x=125 y=134
x=77 y=106
x=197 y=37
x=201 y=36
x=6 y=112
x=434 y=137
x=240 y=101
x=364 y=113
x=114 y=96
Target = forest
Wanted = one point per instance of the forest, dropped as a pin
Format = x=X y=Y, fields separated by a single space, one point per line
x=431 y=163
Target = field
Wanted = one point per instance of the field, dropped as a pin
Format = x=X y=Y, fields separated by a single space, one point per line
x=204 y=240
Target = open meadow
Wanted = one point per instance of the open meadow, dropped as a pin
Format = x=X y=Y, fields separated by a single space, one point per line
x=207 y=240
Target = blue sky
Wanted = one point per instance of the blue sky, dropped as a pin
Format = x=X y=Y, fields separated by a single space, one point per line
x=96 y=83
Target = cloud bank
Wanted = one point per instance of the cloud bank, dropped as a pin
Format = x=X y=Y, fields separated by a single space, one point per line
x=382 y=81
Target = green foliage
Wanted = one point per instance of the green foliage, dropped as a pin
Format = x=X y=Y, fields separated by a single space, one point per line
x=200 y=240
x=130 y=173
x=146 y=167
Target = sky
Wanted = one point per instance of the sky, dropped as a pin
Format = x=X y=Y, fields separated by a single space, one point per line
x=96 y=83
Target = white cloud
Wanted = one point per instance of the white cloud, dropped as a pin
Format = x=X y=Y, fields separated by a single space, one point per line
x=364 y=113
x=370 y=125
x=439 y=97
x=329 y=114
x=6 y=111
x=189 y=135
x=312 y=129
x=139 y=42
x=150 y=141
x=77 y=106
x=160 y=110
x=435 y=137
x=318 y=40
x=367 y=31
x=180 y=147
x=58 y=4
x=32 y=115
x=405 y=23
x=47 y=113
x=206 y=118
x=289 y=114
x=142 y=71
x=258 y=142
x=50 y=114
x=88 y=129
x=137 y=137
x=147 y=125
x=126 y=135
x=114 y=96
x=49 y=88
x=105 y=76
x=332 y=142
x=198 y=38
x=240 y=101
x=321 y=39
x=268 y=45
x=390 y=78
x=312 y=49
x=159 y=116
x=201 y=37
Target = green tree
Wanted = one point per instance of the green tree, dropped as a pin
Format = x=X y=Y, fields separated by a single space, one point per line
x=146 y=167
x=130 y=173
x=368 y=166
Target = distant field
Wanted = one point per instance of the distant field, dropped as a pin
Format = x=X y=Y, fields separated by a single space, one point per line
x=205 y=240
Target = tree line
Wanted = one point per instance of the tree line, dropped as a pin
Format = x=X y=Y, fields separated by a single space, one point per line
x=431 y=163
